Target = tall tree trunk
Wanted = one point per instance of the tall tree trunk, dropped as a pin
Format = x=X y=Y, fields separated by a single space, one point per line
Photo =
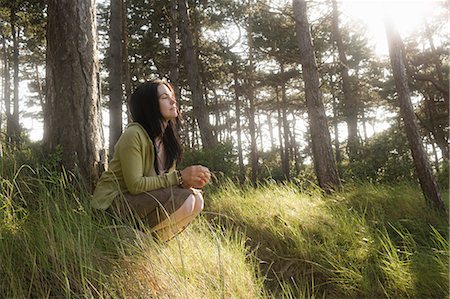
x=280 y=134
x=259 y=130
x=337 y=146
x=237 y=104
x=15 y=114
x=324 y=163
x=173 y=50
x=39 y=85
x=269 y=122
x=294 y=146
x=251 y=100
x=126 y=77
x=364 y=124
x=72 y=103
x=423 y=168
x=287 y=146
x=200 y=109
x=7 y=94
x=2 y=93
x=115 y=73
x=351 y=111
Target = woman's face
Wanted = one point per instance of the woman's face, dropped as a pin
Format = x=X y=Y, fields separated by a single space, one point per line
x=167 y=102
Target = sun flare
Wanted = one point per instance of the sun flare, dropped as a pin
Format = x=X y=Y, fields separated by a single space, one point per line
x=408 y=16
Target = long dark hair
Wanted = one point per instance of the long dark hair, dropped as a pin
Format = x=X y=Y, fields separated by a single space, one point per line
x=144 y=108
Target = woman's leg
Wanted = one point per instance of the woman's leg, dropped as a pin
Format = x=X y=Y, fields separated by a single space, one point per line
x=177 y=221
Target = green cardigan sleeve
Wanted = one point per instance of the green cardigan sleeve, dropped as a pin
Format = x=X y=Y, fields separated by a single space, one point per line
x=136 y=158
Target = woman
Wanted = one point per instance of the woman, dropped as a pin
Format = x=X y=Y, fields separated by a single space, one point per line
x=142 y=176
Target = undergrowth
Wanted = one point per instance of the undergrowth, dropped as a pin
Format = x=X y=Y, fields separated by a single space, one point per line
x=269 y=241
x=369 y=241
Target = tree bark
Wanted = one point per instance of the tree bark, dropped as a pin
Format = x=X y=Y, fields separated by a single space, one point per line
x=337 y=146
x=286 y=133
x=423 y=168
x=2 y=91
x=294 y=147
x=7 y=93
x=39 y=86
x=200 y=109
x=251 y=100
x=115 y=73
x=173 y=50
x=324 y=163
x=269 y=122
x=14 y=122
x=125 y=62
x=351 y=111
x=237 y=104
x=280 y=133
x=72 y=103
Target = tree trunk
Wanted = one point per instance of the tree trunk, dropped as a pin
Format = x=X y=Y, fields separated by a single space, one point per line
x=294 y=145
x=7 y=94
x=237 y=104
x=251 y=100
x=72 y=103
x=115 y=73
x=15 y=132
x=423 y=168
x=269 y=122
x=259 y=130
x=280 y=134
x=351 y=111
x=125 y=62
x=173 y=50
x=337 y=146
x=2 y=93
x=39 y=85
x=287 y=146
x=324 y=163
x=199 y=107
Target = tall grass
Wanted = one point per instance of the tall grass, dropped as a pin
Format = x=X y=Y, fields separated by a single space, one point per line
x=272 y=241
x=369 y=241
x=53 y=245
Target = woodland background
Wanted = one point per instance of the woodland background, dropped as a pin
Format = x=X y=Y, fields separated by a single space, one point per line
x=285 y=97
x=237 y=70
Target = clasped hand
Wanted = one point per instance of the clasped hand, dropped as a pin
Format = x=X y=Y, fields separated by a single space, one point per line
x=196 y=176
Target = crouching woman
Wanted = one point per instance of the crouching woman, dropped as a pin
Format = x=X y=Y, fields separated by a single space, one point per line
x=142 y=180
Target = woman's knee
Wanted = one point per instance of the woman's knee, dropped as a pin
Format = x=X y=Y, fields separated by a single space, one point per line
x=199 y=202
x=191 y=206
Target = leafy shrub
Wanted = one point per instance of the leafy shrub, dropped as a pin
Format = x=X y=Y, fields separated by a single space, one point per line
x=384 y=158
x=272 y=166
x=220 y=160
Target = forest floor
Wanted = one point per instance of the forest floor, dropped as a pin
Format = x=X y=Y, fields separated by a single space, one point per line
x=272 y=241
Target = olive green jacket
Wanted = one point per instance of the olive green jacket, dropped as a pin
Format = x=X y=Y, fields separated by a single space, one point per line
x=131 y=169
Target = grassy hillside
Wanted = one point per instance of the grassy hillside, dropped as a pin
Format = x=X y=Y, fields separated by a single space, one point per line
x=273 y=241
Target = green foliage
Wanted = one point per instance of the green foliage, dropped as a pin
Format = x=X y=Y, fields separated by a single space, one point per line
x=58 y=247
x=33 y=155
x=271 y=165
x=220 y=160
x=269 y=241
x=444 y=176
x=385 y=158
x=370 y=241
